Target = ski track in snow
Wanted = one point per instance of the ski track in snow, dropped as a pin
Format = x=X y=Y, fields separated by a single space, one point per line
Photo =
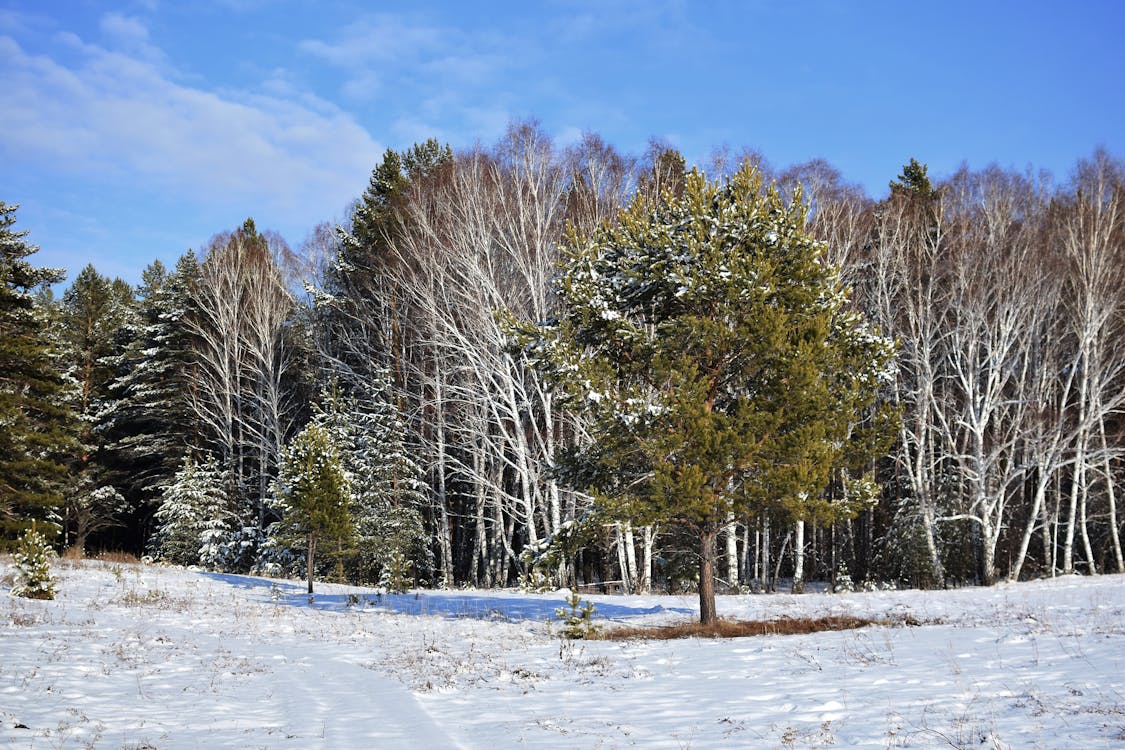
x=144 y=657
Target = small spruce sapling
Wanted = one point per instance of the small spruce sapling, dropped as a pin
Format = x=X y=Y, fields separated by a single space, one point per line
x=33 y=570
x=578 y=618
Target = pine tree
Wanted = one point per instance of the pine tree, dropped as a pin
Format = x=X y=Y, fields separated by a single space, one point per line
x=33 y=567
x=192 y=519
x=313 y=494
x=719 y=362
x=913 y=182
x=36 y=425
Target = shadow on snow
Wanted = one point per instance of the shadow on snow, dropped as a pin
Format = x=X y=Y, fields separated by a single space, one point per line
x=481 y=606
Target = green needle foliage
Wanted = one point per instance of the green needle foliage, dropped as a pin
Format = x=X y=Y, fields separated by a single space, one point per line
x=33 y=567
x=718 y=361
x=313 y=493
x=37 y=429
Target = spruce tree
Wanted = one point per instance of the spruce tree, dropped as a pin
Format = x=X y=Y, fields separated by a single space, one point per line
x=96 y=320
x=33 y=567
x=36 y=425
x=191 y=508
x=150 y=429
x=719 y=362
x=387 y=493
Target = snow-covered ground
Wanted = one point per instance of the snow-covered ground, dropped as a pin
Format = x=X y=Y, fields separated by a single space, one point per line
x=149 y=657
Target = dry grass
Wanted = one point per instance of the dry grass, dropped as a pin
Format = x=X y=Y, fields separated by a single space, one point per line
x=739 y=628
x=125 y=558
x=112 y=556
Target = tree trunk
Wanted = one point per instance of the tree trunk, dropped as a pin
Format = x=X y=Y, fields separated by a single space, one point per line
x=732 y=553
x=311 y=550
x=1084 y=528
x=707 y=613
x=445 y=532
x=765 y=552
x=1111 y=497
x=1033 y=518
x=799 y=559
x=646 y=570
x=623 y=561
x=631 y=558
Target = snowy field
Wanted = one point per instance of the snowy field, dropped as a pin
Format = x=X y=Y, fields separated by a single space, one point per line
x=149 y=657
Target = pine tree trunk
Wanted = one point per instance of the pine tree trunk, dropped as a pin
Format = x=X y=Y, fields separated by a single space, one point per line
x=707 y=611
x=311 y=551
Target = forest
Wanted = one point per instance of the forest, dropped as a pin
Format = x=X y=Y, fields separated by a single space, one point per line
x=363 y=405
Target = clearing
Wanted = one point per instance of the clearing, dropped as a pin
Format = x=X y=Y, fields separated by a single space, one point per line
x=147 y=657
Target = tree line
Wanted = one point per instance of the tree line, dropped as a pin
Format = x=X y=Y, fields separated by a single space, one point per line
x=172 y=418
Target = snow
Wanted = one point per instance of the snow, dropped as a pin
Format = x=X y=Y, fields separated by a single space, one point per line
x=162 y=657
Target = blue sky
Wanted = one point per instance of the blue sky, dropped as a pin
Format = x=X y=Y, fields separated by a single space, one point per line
x=134 y=130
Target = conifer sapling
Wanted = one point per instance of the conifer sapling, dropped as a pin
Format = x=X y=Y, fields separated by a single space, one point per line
x=33 y=569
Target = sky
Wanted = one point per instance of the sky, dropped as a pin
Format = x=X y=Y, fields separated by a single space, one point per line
x=134 y=130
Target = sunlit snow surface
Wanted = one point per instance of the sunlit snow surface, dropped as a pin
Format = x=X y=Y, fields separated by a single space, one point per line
x=147 y=657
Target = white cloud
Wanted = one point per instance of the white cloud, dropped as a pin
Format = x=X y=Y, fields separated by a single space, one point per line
x=117 y=115
x=380 y=39
x=406 y=65
x=124 y=28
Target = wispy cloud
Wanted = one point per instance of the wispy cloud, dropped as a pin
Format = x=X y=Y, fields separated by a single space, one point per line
x=116 y=114
x=382 y=39
x=427 y=79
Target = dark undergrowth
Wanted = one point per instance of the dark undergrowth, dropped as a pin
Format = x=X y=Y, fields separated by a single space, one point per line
x=743 y=628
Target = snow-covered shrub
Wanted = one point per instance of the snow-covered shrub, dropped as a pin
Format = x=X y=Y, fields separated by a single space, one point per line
x=33 y=567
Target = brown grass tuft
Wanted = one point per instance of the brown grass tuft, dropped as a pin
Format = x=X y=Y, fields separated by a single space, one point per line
x=125 y=558
x=739 y=628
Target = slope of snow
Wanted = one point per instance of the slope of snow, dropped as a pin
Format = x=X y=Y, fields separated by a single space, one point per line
x=149 y=657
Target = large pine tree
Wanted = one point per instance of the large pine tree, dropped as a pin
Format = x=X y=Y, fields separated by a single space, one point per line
x=719 y=361
x=36 y=427
x=313 y=494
